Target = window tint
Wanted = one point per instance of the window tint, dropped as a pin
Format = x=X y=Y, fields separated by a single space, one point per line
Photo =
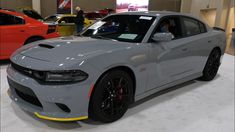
x=93 y=16
x=170 y=24
x=67 y=20
x=6 y=19
x=192 y=26
x=202 y=27
x=125 y=28
x=71 y=19
x=51 y=19
x=33 y=14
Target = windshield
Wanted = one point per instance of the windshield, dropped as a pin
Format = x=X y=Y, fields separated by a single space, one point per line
x=127 y=28
x=32 y=14
x=51 y=19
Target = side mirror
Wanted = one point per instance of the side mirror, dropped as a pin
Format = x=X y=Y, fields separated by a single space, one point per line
x=166 y=36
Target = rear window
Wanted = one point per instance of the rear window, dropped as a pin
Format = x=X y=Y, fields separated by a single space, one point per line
x=67 y=20
x=193 y=26
x=51 y=19
x=33 y=14
x=202 y=27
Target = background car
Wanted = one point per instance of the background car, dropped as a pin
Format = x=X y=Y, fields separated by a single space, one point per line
x=120 y=59
x=17 y=30
x=106 y=11
x=132 y=7
x=31 y=13
x=93 y=16
x=66 y=23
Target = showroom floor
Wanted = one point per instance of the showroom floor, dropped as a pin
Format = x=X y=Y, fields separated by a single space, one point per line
x=191 y=107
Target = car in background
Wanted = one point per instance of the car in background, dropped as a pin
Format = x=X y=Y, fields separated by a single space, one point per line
x=132 y=7
x=66 y=23
x=93 y=16
x=17 y=29
x=118 y=60
x=106 y=11
x=31 y=13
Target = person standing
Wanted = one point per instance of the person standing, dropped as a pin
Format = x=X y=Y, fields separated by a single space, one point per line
x=79 y=19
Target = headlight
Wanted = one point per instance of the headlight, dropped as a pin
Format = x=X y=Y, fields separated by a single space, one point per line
x=62 y=76
x=66 y=76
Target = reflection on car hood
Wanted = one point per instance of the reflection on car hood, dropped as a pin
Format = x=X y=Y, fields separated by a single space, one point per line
x=70 y=48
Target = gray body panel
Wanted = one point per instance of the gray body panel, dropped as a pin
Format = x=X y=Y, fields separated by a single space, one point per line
x=156 y=66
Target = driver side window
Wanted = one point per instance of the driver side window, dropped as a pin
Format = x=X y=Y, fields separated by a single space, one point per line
x=170 y=24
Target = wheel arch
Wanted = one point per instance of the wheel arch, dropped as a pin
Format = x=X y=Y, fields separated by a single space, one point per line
x=124 y=68
x=217 y=48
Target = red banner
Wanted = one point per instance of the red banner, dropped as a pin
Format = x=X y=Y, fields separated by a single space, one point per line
x=64 y=6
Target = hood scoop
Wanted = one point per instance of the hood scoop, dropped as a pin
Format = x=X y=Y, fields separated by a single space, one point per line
x=46 y=46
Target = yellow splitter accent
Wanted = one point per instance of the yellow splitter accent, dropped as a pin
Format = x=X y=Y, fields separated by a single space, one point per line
x=61 y=119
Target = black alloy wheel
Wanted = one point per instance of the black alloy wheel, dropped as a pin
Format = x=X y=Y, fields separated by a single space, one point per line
x=212 y=66
x=111 y=96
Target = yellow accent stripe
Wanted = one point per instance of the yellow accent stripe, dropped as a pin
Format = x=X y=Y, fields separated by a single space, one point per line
x=60 y=119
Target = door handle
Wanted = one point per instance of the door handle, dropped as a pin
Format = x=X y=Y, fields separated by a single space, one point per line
x=209 y=41
x=22 y=30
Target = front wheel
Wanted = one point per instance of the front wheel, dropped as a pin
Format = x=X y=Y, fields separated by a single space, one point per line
x=212 y=66
x=111 y=96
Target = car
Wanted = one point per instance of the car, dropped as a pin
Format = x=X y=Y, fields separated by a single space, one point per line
x=132 y=7
x=106 y=11
x=93 y=16
x=117 y=61
x=31 y=13
x=17 y=30
x=66 y=23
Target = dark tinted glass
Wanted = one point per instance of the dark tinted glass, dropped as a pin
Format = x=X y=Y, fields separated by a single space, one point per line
x=67 y=20
x=127 y=28
x=6 y=19
x=191 y=26
x=32 y=14
x=51 y=19
x=202 y=27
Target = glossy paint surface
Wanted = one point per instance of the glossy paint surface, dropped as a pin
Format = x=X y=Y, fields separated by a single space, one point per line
x=156 y=65
x=13 y=37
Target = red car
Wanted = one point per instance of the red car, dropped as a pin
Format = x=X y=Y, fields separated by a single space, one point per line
x=17 y=30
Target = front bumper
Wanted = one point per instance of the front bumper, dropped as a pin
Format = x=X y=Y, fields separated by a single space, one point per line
x=66 y=102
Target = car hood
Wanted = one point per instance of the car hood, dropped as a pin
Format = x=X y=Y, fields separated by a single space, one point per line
x=70 y=48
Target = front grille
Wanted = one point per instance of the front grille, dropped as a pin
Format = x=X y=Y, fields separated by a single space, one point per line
x=25 y=93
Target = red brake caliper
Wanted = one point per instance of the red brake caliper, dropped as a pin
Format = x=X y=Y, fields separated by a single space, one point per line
x=120 y=92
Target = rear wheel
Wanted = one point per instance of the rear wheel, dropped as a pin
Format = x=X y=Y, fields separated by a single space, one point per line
x=111 y=96
x=33 y=39
x=212 y=66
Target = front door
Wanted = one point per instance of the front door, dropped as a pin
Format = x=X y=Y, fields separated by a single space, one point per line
x=171 y=59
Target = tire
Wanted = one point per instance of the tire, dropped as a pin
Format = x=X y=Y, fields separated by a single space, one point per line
x=212 y=66
x=111 y=96
x=33 y=39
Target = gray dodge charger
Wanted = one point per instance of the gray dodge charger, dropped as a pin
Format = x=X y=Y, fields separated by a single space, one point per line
x=116 y=61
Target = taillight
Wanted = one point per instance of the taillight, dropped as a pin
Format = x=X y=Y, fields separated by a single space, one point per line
x=51 y=29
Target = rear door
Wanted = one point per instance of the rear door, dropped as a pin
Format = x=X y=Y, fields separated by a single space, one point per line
x=12 y=33
x=199 y=42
